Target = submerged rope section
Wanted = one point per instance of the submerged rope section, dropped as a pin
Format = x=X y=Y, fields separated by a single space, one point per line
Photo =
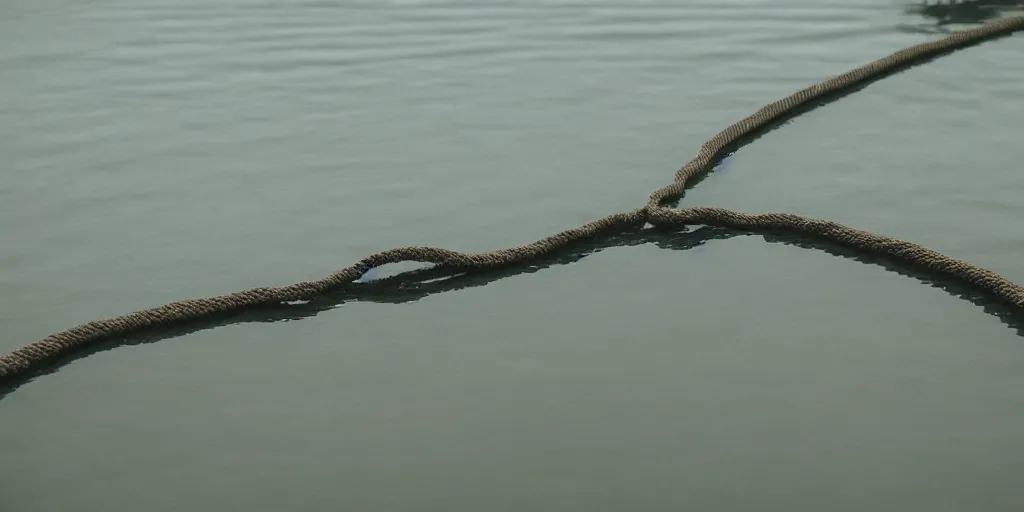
x=34 y=355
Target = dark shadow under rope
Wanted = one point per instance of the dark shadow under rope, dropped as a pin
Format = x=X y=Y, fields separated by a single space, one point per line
x=417 y=284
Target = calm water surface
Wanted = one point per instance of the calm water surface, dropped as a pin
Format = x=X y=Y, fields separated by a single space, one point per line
x=154 y=151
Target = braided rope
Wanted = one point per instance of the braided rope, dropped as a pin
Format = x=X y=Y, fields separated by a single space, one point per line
x=31 y=357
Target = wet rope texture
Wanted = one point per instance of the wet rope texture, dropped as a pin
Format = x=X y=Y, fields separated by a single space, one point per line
x=34 y=355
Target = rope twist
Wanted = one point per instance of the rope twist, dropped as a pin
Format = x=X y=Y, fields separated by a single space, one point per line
x=33 y=356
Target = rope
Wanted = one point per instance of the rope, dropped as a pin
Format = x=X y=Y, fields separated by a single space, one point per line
x=33 y=356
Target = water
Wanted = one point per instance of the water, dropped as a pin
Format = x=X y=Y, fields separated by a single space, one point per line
x=154 y=151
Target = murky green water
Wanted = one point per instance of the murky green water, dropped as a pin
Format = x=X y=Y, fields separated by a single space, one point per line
x=153 y=151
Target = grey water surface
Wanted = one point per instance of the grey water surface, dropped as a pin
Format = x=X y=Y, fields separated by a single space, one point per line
x=152 y=151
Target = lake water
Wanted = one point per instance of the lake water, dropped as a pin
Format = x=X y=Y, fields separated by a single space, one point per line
x=154 y=151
